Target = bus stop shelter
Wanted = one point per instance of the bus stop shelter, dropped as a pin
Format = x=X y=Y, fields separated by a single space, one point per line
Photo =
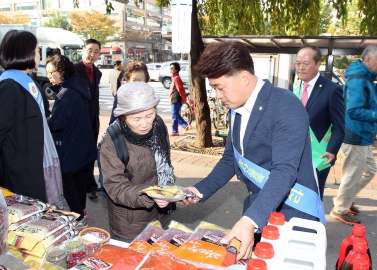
x=329 y=45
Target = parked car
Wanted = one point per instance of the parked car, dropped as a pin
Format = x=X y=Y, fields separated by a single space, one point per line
x=154 y=71
x=165 y=75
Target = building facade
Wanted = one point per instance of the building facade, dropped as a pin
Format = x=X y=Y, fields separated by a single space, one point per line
x=141 y=25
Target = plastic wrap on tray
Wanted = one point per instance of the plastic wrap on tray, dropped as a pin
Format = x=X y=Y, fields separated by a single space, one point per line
x=34 y=231
x=170 y=240
x=3 y=225
x=204 y=247
x=170 y=193
x=144 y=241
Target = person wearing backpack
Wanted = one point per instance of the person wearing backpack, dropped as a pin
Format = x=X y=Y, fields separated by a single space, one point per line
x=135 y=154
x=359 y=165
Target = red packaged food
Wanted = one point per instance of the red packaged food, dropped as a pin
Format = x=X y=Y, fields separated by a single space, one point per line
x=165 y=262
x=120 y=258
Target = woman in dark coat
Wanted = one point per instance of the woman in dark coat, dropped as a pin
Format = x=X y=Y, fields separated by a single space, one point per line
x=29 y=164
x=71 y=129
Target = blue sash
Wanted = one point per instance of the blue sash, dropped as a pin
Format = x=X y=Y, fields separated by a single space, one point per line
x=300 y=197
x=26 y=83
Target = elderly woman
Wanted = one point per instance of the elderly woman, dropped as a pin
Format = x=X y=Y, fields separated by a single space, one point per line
x=29 y=164
x=134 y=72
x=149 y=163
x=71 y=129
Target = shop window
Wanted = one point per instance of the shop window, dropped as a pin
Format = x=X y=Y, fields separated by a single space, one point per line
x=153 y=8
x=154 y=23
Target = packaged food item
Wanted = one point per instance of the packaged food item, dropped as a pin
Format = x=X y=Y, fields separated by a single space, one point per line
x=170 y=240
x=17 y=224
x=3 y=225
x=144 y=241
x=34 y=231
x=165 y=262
x=170 y=193
x=120 y=258
x=41 y=247
x=25 y=209
x=204 y=247
x=97 y=264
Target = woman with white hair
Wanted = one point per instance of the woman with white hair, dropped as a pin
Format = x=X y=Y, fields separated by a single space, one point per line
x=149 y=164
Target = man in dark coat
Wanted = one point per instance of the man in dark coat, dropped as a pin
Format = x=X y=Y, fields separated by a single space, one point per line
x=324 y=103
x=92 y=75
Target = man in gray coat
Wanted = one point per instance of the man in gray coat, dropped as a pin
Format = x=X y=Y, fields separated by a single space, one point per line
x=113 y=77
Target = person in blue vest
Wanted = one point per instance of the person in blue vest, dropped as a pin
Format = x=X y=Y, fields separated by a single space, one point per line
x=323 y=100
x=359 y=165
x=268 y=146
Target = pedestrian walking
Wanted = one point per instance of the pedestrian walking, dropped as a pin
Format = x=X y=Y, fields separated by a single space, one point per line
x=113 y=77
x=359 y=165
x=177 y=98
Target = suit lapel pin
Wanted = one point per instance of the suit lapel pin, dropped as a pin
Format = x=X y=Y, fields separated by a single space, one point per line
x=320 y=85
x=260 y=108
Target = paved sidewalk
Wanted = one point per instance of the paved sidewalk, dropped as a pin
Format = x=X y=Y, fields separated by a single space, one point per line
x=225 y=207
x=210 y=161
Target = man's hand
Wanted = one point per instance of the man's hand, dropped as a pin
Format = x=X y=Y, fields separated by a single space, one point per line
x=161 y=203
x=330 y=157
x=190 y=200
x=243 y=230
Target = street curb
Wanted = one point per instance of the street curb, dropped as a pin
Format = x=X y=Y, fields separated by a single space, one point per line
x=195 y=154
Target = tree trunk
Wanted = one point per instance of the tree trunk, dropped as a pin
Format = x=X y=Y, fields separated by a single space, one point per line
x=198 y=90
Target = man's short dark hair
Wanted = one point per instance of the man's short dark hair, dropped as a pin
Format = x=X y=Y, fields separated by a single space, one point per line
x=224 y=58
x=117 y=63
x=63 y=65
x=92 y=40
x=17 y=50
x=317 y=56
x=177 y=66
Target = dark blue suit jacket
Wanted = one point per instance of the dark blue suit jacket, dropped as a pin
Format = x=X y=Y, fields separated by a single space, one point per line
x=326 y=106
x=277 y=139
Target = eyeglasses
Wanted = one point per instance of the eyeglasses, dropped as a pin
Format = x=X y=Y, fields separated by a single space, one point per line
x=51 y=72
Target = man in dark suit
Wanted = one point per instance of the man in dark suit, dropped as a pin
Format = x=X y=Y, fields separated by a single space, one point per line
x=92 y=75
x=324 y=103
x=268 y=145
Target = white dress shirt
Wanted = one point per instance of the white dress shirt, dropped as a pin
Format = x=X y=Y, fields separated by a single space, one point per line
x=311 y=85
x=245 y=112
